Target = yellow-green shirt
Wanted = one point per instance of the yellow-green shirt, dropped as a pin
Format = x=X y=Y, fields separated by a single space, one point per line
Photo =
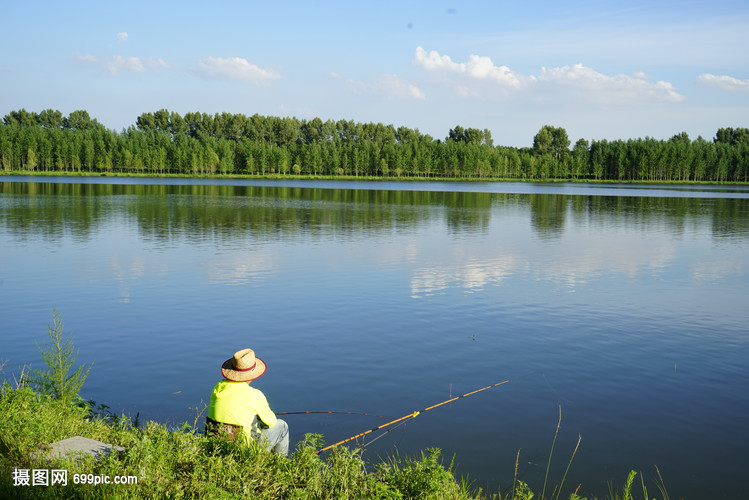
x=237 y=403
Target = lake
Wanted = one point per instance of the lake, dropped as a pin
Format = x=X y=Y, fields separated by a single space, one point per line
x=623 y=306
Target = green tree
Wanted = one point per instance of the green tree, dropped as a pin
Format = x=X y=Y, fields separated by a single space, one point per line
x=456 y=134
x=79 y=120
x=146 y=122
x=161 y=120
x=551 y=140
x=177 y=125
x=488 y=138
x=59 y=355
x=580 y=154
x=30 y=159
x=542 y=141
x=20 y=118
x=211 y=160
x=598 y=158
x=50 y=118
x=473 y=136
x=731 y=135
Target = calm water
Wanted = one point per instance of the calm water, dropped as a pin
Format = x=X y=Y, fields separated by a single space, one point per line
x=626 y=307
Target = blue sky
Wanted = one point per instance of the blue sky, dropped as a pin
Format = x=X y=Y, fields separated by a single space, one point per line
x=600 y=69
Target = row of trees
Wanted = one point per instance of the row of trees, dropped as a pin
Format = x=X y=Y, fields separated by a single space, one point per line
x=199 y=144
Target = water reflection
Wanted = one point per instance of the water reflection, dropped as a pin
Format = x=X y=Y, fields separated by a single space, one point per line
x=568 y=260
x=548 y=213
x=122 y=270
x=230 y=213
x=717 y=271
x=252 y=217
x=241 y=269
x=472 y=275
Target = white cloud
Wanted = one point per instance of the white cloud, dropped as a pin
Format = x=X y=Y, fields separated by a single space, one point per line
x=122 y=36
x=722 y=82
x=390 y=85
x=118 y=64
x=637 y=86
x=235 y=68
x=478 y=67
x=87 y=59
x=464 y=91
x=589 y=83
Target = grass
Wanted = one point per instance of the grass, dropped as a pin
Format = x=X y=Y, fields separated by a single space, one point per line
x=277 y=176
x=180 y=463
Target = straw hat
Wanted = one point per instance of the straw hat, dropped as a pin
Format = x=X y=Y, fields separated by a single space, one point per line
x=243 y=367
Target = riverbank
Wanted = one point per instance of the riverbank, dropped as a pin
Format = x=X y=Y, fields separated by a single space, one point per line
x=181 y=463
x=16 y=173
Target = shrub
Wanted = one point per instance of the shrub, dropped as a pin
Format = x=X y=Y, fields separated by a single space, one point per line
x=59 y=355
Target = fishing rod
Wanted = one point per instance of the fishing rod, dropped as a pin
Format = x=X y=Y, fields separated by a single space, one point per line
x=410 y=415
x=333 y=412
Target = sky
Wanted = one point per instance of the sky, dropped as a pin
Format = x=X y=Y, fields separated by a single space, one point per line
x=598 y=68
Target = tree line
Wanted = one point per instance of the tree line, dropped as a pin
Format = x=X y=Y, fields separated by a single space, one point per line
x=223 y=143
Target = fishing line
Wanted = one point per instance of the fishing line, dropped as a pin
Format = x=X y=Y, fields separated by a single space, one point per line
x=410 y=416
x=553 y=390
x=386 y=432
x=329 y=412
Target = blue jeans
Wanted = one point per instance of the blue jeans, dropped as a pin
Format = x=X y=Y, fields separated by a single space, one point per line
x=276 y=438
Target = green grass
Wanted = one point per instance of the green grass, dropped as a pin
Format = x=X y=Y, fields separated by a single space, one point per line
x=351 y=177
x=180 y=463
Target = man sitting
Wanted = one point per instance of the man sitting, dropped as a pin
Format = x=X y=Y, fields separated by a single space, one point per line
x=234 y=402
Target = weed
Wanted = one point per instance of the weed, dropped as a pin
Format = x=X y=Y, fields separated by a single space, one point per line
x=59 y=355
x=626 y=493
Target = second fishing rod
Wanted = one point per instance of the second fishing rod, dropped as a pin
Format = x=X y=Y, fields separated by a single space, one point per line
x=410 y=415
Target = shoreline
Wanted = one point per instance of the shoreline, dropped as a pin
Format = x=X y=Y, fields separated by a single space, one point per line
x=373 y=179
x=181 y=462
